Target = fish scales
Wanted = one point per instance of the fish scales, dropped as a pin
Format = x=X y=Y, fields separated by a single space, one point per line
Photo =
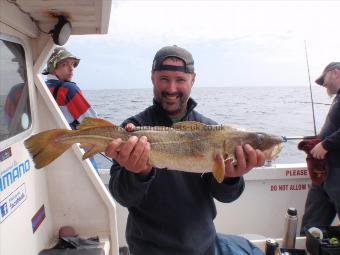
x=181 y=151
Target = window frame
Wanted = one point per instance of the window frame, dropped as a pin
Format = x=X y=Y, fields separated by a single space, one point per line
x=25 y=133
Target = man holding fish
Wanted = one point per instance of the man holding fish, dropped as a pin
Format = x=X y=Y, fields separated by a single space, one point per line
x=172 y=212
x=170 y=163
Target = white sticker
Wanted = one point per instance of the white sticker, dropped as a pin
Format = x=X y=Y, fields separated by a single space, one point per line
x=12 y=202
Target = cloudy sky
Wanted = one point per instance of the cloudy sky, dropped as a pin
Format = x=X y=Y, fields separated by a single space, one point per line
x=243 y=43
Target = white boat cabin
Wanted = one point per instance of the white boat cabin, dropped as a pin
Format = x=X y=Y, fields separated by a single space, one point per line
x=34 y=204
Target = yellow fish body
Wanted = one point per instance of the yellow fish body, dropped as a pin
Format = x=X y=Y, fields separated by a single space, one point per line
x=186 y=146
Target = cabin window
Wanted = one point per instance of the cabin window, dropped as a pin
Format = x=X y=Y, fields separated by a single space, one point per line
x=15 y=113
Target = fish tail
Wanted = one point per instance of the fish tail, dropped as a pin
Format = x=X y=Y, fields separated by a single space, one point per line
x=45 y=147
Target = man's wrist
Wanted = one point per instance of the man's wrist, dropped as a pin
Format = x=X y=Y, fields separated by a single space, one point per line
x=144 y=175
x=231 y=180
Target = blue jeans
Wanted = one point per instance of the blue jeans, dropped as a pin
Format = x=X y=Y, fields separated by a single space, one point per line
x=235 y=245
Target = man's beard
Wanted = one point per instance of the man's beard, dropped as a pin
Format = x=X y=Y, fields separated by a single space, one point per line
x=331 y=93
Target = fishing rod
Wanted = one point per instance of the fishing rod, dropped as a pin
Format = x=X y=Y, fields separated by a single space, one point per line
x=310 y=89
x=302 y=102
x=287 y=138
x=109 y=159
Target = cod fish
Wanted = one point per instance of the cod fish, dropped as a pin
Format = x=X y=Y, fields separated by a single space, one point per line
x=186 y=146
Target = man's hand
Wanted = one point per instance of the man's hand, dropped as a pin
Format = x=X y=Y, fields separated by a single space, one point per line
x=319 y=152
x=132 y=154
x=247 y=158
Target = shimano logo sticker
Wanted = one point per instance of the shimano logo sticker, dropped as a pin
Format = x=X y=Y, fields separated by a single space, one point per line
x=13 y=174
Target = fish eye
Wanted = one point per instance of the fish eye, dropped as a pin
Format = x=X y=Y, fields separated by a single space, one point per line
x=260 y=138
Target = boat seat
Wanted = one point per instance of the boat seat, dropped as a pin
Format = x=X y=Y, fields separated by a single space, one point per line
x=71 y=245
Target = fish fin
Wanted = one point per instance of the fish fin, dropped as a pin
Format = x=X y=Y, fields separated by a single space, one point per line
x=226 y=151
x=44 y=147
x=90 y=153
x=84 y=145
x=91 y=149
x=89 y=122
x=218 y=170
x=189 y=125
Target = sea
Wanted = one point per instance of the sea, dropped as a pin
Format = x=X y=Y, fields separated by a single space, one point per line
x=282 y=111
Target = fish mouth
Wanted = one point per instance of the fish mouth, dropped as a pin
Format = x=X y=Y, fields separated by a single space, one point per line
x=273 y=152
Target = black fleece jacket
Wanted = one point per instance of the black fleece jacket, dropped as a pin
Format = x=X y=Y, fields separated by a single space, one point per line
x=330 y=133
x=171 y=212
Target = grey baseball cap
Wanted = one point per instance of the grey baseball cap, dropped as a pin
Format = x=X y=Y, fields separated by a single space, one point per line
x=331 y=66
x=177 y=52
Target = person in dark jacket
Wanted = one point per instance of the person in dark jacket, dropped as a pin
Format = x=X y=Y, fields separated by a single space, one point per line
x=171 y=212
x=323 y=201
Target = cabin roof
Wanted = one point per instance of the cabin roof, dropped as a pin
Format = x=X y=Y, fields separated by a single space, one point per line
x=86 y=16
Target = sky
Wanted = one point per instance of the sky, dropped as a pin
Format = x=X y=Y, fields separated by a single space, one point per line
x=234 y=43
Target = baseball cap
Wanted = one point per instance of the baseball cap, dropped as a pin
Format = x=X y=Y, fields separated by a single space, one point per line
x=59 y=54
x=173 y=51
x=331 y=66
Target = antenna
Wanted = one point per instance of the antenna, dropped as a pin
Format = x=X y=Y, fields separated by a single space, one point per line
x=310 y=90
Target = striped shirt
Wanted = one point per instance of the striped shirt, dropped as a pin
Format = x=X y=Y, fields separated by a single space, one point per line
x=71 y=100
